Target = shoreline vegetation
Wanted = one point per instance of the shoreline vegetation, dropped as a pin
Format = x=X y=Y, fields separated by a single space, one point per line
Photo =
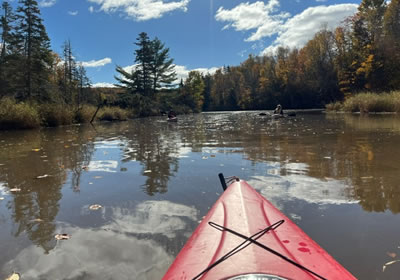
x=368 y=103
x=352 y=68
x=20 y=115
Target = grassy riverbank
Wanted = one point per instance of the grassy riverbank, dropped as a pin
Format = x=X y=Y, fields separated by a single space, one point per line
x=15 y=115
x=368 y=102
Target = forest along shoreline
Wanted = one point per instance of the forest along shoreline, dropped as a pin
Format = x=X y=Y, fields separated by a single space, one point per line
x=353 y=68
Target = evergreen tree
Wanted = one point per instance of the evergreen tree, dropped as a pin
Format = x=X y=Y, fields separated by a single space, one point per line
x=162 y=67
x=144 y=59
x=70 y=78
x=83 y=84
x=33 y=45
x=6 y=25
x=152 y=71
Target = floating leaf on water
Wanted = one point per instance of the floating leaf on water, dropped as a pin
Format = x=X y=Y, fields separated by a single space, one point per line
x=212 y=155
x=392 y=255
x=15 y=190
x=389 y=263
x=37 y=220
x=147 y=171
x=327 y=157
x=95 y=207
x=14 y=276
x=123 y=169
x=66 y=146
x=366 y=177
x=43 y=176
x=36 y=150
x=62 y=236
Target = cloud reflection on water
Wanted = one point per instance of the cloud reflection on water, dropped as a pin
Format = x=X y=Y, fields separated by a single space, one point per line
x=302 y=187
x=152 y=217
x=93 y=254
x=103 y=165
x=3 y=190
x=113 y=251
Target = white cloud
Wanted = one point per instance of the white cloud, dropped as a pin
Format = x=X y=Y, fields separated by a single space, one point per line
x=47 y=3
x=96 y=63
x=259 y=15
x=182 y=72
x=294 y=31
x=141 y=10
x=91 y=9
x=73 y=13
x=302 y=27
x=104 y=85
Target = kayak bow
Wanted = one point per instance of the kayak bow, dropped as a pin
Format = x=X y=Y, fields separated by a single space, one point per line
x=244 y=236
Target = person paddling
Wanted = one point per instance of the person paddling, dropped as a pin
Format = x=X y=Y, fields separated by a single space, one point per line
x=171 y=114
x=278 y=110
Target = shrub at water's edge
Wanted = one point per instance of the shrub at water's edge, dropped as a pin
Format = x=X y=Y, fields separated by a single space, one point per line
x=17 y=115
x=85 y=113
x=368 y=102
x=55 y=114
x=14 y=115
x=112 y=114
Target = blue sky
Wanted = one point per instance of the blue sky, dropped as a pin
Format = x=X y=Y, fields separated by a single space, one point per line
x=201 y=34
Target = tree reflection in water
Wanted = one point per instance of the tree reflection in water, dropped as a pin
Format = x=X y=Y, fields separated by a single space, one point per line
x=32 y=154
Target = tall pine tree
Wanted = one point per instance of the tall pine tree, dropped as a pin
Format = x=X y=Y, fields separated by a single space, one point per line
x=152 y=71
x=6 y=25
x=33 y=45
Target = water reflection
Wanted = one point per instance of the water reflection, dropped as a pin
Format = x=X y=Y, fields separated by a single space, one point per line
x=153 y=179
x=153 y=217
x=123 y=248
x=37 y=165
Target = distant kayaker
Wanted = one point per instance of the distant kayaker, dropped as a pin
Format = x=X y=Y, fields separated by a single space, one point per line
x=278 y=110
x=171 y=114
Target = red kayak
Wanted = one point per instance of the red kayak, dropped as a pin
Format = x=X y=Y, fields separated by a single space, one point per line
x=244 y=236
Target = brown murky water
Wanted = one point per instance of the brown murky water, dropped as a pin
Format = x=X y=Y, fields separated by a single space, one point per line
x=336 y=176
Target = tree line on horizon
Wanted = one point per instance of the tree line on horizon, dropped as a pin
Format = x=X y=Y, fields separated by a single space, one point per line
x=363 y=54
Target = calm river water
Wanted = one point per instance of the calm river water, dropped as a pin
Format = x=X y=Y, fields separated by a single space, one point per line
x=336 y=176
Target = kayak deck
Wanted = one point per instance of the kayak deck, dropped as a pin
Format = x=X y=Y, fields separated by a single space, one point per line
x=245 y=211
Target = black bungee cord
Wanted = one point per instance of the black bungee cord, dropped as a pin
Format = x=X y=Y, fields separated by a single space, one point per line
x=240 y=247
x=250 y=240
